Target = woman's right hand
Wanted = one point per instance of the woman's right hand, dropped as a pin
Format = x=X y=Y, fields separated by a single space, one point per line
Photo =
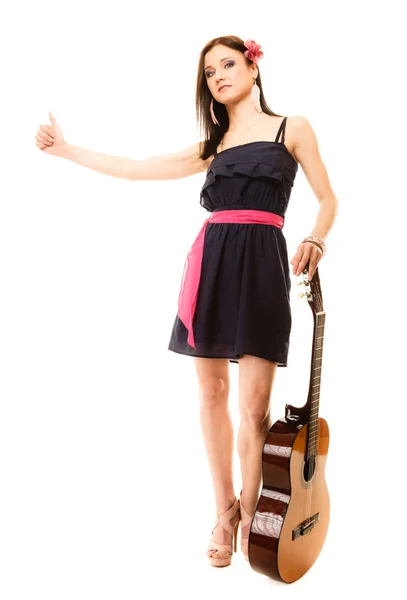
x=49 y=138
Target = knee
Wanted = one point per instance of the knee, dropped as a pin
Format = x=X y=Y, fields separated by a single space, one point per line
x=213 y=391
x=255 y=411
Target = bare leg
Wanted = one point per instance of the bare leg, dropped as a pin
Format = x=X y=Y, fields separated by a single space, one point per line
x=256 y=376
x=217 y=429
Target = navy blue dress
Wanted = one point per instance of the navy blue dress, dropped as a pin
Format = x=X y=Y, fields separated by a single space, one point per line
x=243 y=304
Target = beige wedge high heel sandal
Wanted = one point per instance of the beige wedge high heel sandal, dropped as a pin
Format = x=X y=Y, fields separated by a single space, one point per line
x=246 y=521
x=229 y=522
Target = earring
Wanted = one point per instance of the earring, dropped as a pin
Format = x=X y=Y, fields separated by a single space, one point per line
x=214 y=119
x=255 y=95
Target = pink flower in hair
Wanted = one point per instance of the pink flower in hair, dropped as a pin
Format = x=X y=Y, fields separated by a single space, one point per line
x=253 y=51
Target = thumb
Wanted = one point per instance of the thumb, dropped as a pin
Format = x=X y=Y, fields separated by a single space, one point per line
x=52 y=118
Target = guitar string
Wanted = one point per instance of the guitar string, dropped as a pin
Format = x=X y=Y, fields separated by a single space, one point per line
x=320 y=323
x=316 y=433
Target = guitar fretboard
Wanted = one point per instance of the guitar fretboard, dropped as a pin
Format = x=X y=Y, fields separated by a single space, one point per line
x=315 y=383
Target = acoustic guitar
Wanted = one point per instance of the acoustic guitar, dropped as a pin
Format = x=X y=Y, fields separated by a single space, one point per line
x=291 y=519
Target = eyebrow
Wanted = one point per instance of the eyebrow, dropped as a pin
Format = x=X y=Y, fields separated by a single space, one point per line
x=222 y=59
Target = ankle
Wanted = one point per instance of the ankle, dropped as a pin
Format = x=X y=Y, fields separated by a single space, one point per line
x=248 y=505
x=224 y=505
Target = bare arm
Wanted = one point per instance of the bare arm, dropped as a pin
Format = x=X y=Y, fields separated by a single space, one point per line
x=165 y=166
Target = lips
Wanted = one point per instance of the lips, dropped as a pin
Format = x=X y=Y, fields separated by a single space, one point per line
x=223 y=87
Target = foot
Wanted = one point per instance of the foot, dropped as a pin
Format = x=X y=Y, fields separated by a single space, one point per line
x=224 y=535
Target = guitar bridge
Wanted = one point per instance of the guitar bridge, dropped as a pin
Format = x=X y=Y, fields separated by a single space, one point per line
x=305 y=527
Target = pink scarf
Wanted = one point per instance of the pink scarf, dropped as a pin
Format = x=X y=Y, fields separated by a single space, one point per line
x=193 y=263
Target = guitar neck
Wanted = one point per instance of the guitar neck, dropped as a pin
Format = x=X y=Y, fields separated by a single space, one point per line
x=315 y=382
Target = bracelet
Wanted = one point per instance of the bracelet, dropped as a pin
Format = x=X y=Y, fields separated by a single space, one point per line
x=316 y=240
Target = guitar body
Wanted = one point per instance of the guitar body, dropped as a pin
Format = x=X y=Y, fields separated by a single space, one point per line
x=287 y=501
x=291 y=519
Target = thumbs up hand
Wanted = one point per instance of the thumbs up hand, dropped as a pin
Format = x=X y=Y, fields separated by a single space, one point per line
x=49 y=138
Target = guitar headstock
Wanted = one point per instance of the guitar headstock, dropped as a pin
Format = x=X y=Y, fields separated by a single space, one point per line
x=313 y=290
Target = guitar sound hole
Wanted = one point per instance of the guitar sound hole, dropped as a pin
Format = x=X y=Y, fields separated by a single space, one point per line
x=309 y=468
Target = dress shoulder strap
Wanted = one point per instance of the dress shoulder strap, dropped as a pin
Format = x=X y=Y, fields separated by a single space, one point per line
x=281 y=129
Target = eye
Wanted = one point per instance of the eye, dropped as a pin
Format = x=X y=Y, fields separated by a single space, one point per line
x=226 y=64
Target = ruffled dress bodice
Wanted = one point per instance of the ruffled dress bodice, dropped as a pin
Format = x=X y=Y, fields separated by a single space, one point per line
x=257 y=175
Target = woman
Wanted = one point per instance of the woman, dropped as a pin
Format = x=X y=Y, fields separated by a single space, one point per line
x=234 y=299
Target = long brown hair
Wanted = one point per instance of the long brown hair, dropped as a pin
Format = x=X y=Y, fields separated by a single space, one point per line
x=212 y=133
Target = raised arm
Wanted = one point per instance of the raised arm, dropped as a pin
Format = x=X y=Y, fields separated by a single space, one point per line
x=165 y=166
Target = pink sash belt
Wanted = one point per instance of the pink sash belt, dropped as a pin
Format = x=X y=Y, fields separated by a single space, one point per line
x=193 y=263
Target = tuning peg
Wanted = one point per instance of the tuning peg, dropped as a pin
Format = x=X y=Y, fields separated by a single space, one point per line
x=301 y=295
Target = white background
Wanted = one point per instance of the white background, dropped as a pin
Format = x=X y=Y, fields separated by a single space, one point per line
x=104 y=484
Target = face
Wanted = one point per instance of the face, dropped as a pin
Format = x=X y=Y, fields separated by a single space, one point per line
x=226 y=66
